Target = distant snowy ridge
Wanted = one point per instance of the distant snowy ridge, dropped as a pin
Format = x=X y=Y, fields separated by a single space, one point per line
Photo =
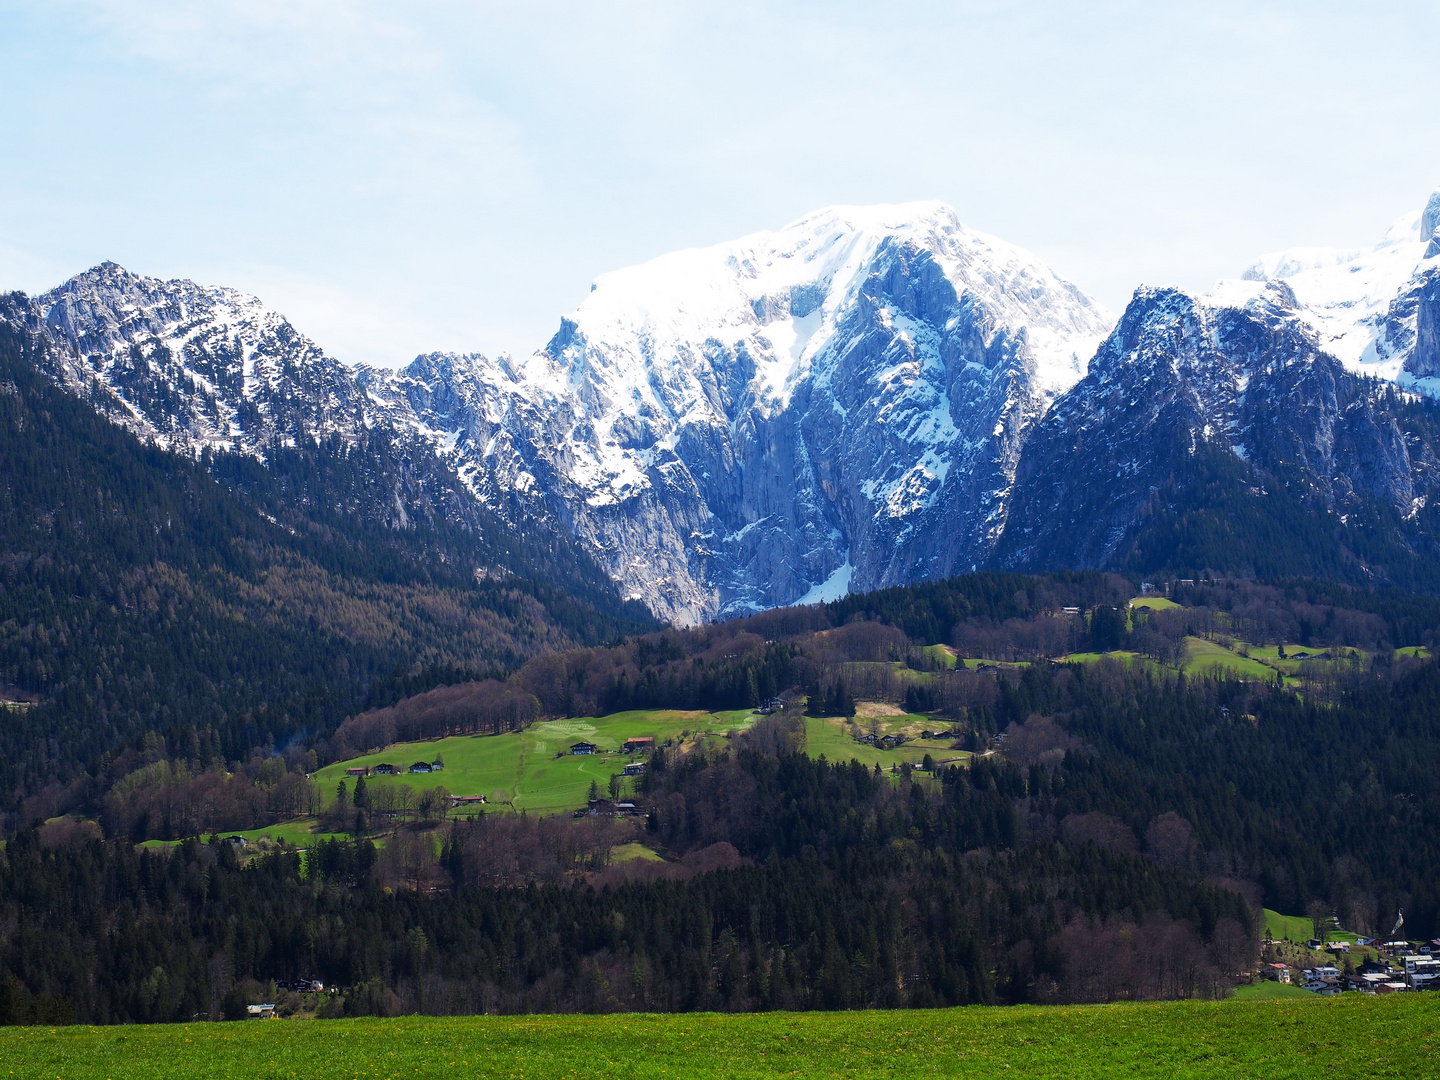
x=1363 y=304
x=866 y=397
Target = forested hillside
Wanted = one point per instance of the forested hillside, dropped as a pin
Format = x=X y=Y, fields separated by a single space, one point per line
x=234 y=607
x=841 y=890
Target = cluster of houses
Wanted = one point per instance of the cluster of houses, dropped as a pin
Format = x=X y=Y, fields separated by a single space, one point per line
x=265 y=1010
x=890 y=742
x=636 y=745
x=884 y=742
x=1399 y=970
x=386 y=769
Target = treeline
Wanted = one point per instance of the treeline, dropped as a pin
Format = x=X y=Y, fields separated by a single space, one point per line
x=1116 y=848
x=488 y=707
x=838 y=653
x=929 y=612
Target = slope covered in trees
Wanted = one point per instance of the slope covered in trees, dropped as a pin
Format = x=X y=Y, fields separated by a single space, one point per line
x=840 y=889
x=139 y=593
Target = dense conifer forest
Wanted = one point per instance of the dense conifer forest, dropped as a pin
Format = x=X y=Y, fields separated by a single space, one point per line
x=184 y=643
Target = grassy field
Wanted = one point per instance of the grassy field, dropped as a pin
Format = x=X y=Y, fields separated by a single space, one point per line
x=1274 y=991
x=1202 y=656
x=942 y=654
x=1154 y=603
x=629 y=852
x=973 y=663
x=523 y=767
x=1124 y=656
x=1351 y=1036
x=302 y=832
x=1288 y=927
x=828 y=737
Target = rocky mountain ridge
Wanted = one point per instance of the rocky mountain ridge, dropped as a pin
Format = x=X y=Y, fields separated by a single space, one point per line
x=867 y=397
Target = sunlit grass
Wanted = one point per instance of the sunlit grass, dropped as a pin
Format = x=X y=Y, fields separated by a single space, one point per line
x=1350 y=1036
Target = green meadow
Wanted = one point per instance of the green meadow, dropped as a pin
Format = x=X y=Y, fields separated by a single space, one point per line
x=1289 y=927
x=298 y=832
x=533 y=769
x=1202 y=657
x=827 y=737
x=1154 y=603
x=1273 y=991
x=1350 y=1036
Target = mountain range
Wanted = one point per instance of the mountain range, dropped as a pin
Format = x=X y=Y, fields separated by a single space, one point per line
x=868 y=397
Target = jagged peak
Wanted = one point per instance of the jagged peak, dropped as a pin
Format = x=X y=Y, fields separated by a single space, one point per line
x=1430 y=216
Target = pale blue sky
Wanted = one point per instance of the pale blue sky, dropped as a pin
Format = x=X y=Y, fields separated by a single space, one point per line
x=402 y=177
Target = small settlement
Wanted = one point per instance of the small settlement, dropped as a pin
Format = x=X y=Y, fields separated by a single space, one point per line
x=1388 y=968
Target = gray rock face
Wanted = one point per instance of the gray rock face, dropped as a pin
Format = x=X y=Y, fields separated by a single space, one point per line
x=1424 y=359
x=191 y=366
x=1179 y=376
x=841 y=404
x=1430 y=224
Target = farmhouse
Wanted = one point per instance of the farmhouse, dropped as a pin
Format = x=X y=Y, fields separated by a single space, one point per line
x=639 y=742
x=422 y=767
x=301 y=986
x=260 y=1012
x=357 y=770
x=466 y=800
x=635 y=768
x=386 y=769
x=583 y=748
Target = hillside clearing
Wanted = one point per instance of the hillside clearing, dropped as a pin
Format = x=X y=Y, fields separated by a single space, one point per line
x=1203 y=657
x=533 y=769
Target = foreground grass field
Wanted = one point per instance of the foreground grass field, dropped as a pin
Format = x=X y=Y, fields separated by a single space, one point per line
x=1351 y=1036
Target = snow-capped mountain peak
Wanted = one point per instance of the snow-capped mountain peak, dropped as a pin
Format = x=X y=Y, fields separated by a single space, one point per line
x=731 y=427
x=1360 y=302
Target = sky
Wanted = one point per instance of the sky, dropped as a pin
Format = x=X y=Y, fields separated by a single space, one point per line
x=399 y=178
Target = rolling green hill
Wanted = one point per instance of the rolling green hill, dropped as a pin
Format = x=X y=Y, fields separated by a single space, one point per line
x=533 y=769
